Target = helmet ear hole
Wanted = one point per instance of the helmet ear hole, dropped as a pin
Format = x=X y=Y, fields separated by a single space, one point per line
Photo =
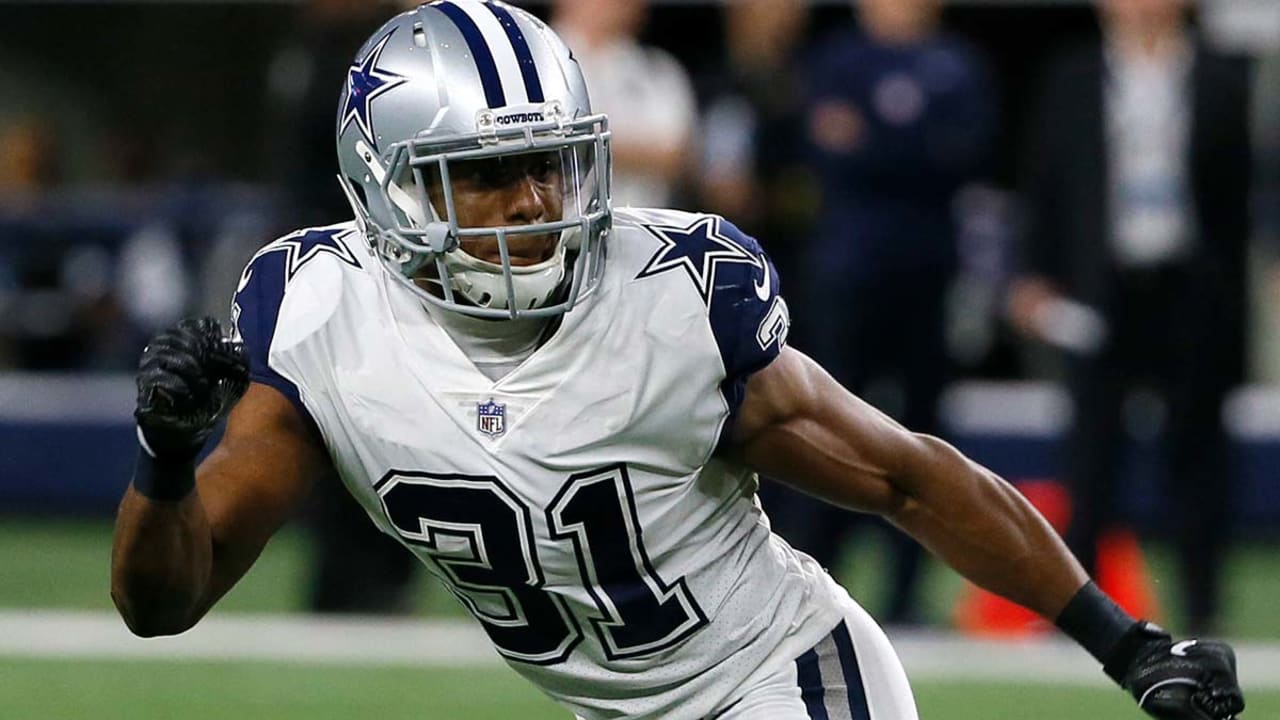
x=358 y=189
x=483 y=300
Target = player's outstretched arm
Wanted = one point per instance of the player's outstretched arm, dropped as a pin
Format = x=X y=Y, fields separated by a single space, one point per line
x=801 y=427
x=185 y=536
x=798 y=425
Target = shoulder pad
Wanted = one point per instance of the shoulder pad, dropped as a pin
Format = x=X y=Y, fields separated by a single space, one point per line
x=736 y=281
x=297 y=276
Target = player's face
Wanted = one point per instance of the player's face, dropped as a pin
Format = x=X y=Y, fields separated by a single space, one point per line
x=510 y=190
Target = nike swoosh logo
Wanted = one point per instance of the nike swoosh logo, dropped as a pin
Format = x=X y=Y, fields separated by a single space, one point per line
x=244 y=280
x=1180 y=649
x=762 y=290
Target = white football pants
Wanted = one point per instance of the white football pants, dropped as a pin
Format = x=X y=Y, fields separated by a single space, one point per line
x=853 y=674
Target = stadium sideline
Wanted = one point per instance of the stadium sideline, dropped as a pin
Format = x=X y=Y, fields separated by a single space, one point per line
x=454 y=643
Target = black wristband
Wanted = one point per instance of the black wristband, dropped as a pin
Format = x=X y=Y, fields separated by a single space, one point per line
x=163 y=480
x=1095 y=621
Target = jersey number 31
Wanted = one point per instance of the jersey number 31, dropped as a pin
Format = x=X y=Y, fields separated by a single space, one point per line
x=479 y=536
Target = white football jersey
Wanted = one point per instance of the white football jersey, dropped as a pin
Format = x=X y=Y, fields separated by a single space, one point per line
x=576 y=506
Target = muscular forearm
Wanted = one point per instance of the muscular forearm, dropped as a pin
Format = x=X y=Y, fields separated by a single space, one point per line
x=986 y=530
x=161 y=562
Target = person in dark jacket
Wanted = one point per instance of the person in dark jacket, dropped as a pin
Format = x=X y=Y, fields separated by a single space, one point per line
x=899 y=116
x=1136 y=190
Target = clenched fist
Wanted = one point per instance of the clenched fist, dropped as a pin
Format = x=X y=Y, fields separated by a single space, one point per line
x=189 y=377
x=1187 y=680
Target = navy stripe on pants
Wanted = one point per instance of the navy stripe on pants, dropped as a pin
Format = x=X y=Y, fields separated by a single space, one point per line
x=810 y=680
x=852 y=674
x=830 y=680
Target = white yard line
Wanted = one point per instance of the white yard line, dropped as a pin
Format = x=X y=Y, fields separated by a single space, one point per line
x=946 y=656
x=459 y=643
x=305 y=639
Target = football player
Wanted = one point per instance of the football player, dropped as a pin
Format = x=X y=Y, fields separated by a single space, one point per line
x=561 y=408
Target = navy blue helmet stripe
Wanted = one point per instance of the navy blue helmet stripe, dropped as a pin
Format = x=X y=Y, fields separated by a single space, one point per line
x=493 y=93
x=852 y=674
x=528 y=71
x=809 y=678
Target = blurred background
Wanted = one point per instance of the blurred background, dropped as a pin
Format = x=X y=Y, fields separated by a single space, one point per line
x=1045 y=230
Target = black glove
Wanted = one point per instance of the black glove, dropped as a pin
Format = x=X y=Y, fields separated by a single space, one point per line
x=1188 y=680
x=188 y=378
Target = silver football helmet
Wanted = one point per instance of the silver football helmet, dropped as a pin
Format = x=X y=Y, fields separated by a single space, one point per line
x=460 y=87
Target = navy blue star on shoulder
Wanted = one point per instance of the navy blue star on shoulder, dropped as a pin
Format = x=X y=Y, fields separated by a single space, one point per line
x=366 y=81
x=698 y=249
x=305 y=245
x=255 y=309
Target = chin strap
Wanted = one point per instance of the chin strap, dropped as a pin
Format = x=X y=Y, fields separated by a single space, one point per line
x=485 y=284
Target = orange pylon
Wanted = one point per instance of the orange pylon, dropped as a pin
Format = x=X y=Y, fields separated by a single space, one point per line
x=1121 y=572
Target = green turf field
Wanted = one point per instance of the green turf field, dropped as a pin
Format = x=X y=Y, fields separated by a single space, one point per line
x=64 y=565
x=41 y=690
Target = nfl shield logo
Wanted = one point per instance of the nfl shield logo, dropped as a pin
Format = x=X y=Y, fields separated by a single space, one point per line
x=491 y=418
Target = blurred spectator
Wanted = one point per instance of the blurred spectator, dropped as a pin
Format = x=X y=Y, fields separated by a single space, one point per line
x=304 y=79
x=900 y=116
x=753 y=165
x=54 y=295
x=1267 y=136
x=356 y=568
x=153 y=280
x=645 y=92
x=1137 y=192
x=28 y=163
